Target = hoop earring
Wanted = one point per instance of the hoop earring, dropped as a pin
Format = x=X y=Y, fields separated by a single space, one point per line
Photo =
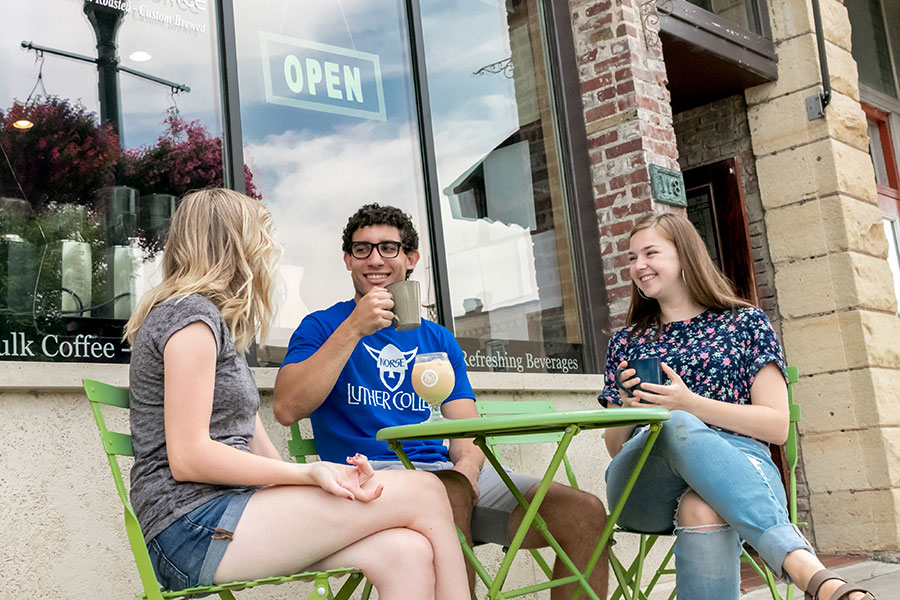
x=640 y=293
x=682 y=277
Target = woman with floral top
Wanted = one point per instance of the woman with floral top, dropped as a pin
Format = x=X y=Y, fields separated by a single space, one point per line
x=710 y=474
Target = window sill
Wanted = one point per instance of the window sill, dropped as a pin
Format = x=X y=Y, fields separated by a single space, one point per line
x=65 y=377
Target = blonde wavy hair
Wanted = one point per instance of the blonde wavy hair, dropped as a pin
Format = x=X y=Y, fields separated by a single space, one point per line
x=706 y=284
x=221 y=246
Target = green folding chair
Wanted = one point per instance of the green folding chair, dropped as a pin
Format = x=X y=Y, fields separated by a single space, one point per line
x=629 y=580
x=301 y=449
x=119 y=444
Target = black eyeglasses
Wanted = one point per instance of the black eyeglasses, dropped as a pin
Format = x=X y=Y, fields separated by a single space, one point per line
x=385 y=249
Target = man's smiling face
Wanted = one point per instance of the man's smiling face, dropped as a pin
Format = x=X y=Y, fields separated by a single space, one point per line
x=375 y=270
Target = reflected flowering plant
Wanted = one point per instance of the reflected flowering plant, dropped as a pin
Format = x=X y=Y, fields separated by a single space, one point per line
x=63 y=157
x=185 y=157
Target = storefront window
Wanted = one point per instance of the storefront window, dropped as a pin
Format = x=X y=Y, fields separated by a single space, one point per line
x=111 y=111
x=92 y=161
x=329 y=124
x=503 y=203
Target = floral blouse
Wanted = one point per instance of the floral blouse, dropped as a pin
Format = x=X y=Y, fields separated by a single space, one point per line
x=717 y=354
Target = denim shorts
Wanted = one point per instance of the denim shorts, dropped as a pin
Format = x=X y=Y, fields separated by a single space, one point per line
x=188 y=552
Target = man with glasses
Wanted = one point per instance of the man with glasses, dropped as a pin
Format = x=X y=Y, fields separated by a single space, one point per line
x=348 y=369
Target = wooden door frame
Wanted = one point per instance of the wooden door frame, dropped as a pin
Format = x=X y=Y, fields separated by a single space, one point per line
x=723 y=180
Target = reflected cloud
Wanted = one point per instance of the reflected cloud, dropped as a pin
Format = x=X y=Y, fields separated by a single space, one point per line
x=469 y=132
x=313 y=182
x=454 y=50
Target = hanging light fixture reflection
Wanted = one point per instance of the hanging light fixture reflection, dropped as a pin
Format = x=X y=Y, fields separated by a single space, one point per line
x=140 y=56
x=26 y=124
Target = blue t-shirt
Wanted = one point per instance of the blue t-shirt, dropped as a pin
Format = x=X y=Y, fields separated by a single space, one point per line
x=717 y=354
x=374 y=389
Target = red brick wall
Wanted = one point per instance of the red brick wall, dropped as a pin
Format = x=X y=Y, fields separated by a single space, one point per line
x=629 y=126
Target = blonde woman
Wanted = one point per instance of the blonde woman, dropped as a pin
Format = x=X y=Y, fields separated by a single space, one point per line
x=214 y=498
x=710 y=472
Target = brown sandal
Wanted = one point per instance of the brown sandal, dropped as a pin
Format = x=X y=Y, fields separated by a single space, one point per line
x=842 y=593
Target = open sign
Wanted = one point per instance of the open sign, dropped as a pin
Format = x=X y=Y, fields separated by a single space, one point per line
x=321 y=77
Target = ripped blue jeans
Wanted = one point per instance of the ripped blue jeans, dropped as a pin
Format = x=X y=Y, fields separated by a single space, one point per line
x=734 y=475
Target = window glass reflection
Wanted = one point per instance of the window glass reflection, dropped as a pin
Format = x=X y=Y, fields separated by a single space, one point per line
x=893 y=238
x=503 y=205
x=93 y=162
x=736 y=11
x=870 y=45
x=329 y=124
x=876 y=153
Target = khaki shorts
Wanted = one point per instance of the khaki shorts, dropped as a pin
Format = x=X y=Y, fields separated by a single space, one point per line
x=495 y=502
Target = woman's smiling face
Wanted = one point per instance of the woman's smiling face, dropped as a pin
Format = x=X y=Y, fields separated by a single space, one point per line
x=654 y=264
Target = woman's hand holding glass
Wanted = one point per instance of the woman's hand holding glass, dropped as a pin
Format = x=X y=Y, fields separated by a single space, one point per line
x=346 y=481
x=674 y=396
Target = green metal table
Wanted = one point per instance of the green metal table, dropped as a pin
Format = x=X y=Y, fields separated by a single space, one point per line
x=567 y=423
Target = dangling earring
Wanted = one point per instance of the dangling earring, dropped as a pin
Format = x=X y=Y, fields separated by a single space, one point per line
x=640 y=293
x=682 y=277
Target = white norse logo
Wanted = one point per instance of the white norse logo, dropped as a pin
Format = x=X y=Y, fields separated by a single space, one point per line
x=392 y=364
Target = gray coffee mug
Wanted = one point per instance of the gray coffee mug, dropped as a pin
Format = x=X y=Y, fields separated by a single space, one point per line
x=406 y=304
x=648 y=369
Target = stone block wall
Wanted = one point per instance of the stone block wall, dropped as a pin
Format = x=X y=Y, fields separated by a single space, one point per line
x=833 y=283
x=628 y=118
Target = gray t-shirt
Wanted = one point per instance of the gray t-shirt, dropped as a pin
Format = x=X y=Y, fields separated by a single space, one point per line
x=158 y=499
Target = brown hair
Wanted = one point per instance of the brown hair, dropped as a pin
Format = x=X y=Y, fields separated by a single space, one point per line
x=221 y=246
x=705 y=283
x=375 y=214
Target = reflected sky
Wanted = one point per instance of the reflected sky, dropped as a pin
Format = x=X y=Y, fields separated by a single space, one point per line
x=472 y=114
x=315 y=168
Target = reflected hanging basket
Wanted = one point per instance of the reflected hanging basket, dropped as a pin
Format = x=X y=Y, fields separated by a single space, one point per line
x=185 y=157
x=63 y=158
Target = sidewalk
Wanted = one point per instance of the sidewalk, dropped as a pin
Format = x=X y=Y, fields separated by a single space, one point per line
x=883 y=579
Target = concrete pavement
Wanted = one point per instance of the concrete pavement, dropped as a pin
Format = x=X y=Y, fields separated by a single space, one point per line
x=883 y=579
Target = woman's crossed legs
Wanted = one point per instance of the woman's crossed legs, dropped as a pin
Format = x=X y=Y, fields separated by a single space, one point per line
x=404 y=542
x=723 y=488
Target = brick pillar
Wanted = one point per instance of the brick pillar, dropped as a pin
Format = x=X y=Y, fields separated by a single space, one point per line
x=629 y=126
x=834 y=286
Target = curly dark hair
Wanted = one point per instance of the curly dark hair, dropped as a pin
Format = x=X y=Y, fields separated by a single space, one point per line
x=375 y=214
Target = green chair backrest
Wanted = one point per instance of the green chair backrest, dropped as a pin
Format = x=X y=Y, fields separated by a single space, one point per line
x=791 y=445
x=119 y=444
x=300 y=448
x=524 y=407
